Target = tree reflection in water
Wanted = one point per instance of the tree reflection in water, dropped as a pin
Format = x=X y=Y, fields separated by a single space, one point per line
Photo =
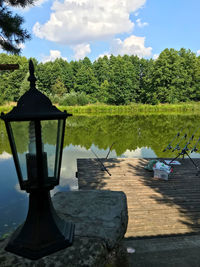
x=133 y=136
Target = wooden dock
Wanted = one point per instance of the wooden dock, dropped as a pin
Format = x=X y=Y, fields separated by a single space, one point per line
x=155 y=207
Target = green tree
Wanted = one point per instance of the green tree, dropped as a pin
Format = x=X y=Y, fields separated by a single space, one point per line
x=102 y=94
x=168 y=76
x=66 y=74
x=43 y=73
x=191 y=84
x=86 y=61
x=196 y=86
x=146 y=92
x=11 y=80
x=58 y=88
x=47 y=74
x=176 y=76
x=25 y=85
x=122 y=89
x=86 y=81
x=101 y=69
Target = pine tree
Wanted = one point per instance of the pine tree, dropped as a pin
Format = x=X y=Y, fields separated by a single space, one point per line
x=11 y=32
x=123 y=83
x=58 y=88
x=101 y=69
x=86 y=81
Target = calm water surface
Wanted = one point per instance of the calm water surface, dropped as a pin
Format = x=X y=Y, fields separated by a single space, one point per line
x=137 y=136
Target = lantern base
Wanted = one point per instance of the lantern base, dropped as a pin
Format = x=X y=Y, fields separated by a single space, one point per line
x=22 y=248
x=43 y=232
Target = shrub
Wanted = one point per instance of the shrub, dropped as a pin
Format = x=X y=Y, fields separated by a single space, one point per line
x=73 y=99
x=82 y=99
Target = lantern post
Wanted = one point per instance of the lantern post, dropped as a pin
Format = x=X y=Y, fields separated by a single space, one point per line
x=43 y=231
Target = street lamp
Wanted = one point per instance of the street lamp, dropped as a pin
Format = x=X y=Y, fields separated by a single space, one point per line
x=43 y=231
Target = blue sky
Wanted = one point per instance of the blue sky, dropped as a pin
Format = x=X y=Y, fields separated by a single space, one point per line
x=73 y=29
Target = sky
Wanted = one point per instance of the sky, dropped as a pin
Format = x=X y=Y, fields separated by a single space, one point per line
x=73 y=29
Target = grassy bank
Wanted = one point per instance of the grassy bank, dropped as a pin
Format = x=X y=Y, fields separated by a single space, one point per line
x=100 y=109
x=7 y=107
x=187 y=108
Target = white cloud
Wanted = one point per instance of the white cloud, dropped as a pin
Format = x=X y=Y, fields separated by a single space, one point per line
x=53 y=55
x=141 y=24
x=198 y=52
x=155 y=56
x=81 y=50
x=5 y=155
x=39 y=2
x=104 y=54
x=18 y=189
x=140 y=153
x=137 y=153
x=81 y=21
x=21 y=46
x=132 y=45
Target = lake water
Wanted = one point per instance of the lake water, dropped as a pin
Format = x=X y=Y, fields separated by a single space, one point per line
x=137 y=136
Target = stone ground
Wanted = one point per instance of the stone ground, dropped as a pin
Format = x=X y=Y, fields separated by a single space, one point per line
x=179 y=251
x=100 y=219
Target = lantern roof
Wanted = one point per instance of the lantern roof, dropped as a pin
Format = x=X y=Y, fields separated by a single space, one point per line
x=34 y=105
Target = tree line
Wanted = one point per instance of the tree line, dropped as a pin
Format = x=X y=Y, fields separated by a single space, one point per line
x=119 y=80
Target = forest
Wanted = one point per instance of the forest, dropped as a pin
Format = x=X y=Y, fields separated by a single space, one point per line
x=173 y=77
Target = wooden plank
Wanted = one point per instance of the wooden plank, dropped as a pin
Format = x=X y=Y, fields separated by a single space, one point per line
x=9 y=66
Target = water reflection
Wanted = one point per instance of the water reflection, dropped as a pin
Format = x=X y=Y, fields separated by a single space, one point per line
x=133 y=137
x=13 y=204
x=143 y=152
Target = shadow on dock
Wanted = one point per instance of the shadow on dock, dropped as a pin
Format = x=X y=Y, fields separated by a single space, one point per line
x=155 y=207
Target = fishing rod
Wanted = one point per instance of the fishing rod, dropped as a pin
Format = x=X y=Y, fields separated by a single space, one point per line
x=184 y=152
x=103 y=167
x=169 y=145
x=177 y=147
x=185 y=148
x=191 y=138
x=195 y=146
x=110 y=149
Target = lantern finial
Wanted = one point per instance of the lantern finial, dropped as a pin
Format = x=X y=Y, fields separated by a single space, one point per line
x=31 y=78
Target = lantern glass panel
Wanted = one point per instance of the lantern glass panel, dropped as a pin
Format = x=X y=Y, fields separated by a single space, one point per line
x=59 y=147
x=49 y=139
x=25 y=139
x=21 y=136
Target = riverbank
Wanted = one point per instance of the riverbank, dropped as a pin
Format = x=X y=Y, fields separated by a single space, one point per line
x=102 y=109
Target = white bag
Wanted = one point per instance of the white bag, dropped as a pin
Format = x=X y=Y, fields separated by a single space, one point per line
x=162 y=167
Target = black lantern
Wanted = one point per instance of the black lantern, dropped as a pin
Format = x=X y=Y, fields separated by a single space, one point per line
x=43 y=231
